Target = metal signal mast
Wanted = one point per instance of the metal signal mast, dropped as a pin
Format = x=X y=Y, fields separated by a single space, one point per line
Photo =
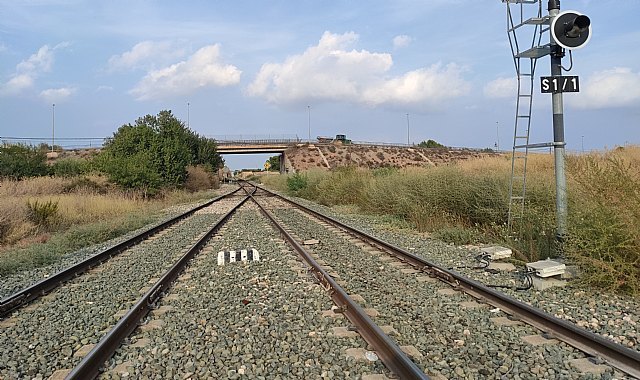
x=567 y=30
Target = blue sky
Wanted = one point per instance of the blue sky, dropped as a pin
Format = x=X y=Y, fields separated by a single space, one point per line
x=252 y=67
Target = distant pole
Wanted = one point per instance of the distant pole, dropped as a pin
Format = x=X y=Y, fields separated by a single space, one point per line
x=497 y=136
x=582 y=144
x=53 y=125
x=408 y=130
x=188 y=121
x=309 y=109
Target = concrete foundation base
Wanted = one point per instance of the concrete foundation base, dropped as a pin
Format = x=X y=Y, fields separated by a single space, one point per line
x=548 y=282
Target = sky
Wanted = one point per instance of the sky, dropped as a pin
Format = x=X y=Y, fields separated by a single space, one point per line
x=375 y=70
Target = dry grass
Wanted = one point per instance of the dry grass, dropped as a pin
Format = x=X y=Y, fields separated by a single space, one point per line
x=78 y=204
x=469 y=200
x=33 y=186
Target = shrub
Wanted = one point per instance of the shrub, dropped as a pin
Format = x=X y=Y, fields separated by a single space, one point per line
x=297 y=182
x=199 y=178
x=42 y=214
x=19 y=161
x=430 y=144
x=133 y=172
x=605 y=214
x=70 y=167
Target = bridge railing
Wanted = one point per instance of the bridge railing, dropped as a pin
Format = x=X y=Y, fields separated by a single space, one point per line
x=260 y=142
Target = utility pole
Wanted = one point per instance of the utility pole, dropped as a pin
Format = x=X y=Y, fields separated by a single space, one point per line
x=309 y=109
x=53 y=125
x=497 y=137
x=188 y=121
x=557 y=52
x=408 y=144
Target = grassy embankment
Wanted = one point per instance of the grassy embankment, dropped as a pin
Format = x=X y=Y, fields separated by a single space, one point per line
x=468 y=203
x=45 y=217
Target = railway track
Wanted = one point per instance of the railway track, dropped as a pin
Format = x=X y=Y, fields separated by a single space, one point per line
x=238 y=320
x=469 y=294
x=68 y=312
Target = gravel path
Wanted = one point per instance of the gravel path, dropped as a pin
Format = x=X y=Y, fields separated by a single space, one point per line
x=252 y=320
x=48 y=334
x=453 y=340
x=611 y=315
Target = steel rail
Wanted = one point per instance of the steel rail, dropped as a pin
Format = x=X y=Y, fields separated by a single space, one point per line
x=89 y=367
x=616 y=355
x=386 y=348
x=46 y=285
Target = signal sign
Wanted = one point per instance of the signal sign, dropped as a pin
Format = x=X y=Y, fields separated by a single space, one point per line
x=555 y=84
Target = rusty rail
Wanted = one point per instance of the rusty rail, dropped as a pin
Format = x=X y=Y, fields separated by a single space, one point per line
x=386 y=348
x=89 y=367
x=617 y=355
x=46 y=285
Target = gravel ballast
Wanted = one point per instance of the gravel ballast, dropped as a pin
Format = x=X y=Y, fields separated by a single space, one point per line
x=614 y=316
x=48 y=334
x=456 y=341
x=252 y=320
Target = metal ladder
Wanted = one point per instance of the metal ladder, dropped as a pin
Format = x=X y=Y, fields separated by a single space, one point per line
x=525 y=61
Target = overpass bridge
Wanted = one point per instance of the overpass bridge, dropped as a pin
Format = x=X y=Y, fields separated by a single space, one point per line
x=256 y=146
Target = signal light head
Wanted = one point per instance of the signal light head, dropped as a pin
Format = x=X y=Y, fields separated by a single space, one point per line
x=577 y=26
x=571 y=30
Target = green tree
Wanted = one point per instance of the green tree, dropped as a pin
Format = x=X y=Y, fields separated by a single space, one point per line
x=155 y=152
x=431 y=144
x=273 y=164
x=18 y=161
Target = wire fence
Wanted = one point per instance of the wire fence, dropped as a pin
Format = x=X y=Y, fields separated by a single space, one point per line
x=65 y=143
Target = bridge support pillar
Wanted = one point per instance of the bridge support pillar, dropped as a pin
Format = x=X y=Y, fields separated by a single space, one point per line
x=282 y=164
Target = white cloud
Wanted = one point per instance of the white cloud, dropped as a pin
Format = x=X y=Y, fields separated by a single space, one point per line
x=17 y=84
x=501 y=88
x=432 y=84
x=401 y=41
x=330 y=72
x=203 y=69
x=55 y=95
x=40 y=61
x=30 y=69
x=616 y=87
x=145 y=54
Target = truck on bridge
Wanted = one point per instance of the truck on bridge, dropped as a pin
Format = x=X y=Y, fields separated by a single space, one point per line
x=339 y=138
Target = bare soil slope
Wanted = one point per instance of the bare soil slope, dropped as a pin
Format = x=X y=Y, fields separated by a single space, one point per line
x=328 y=156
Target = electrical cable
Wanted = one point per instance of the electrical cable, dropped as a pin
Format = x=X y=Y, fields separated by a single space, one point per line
x=570 y=62
x=483 y=258
x=528 y=282
x=485 y=261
